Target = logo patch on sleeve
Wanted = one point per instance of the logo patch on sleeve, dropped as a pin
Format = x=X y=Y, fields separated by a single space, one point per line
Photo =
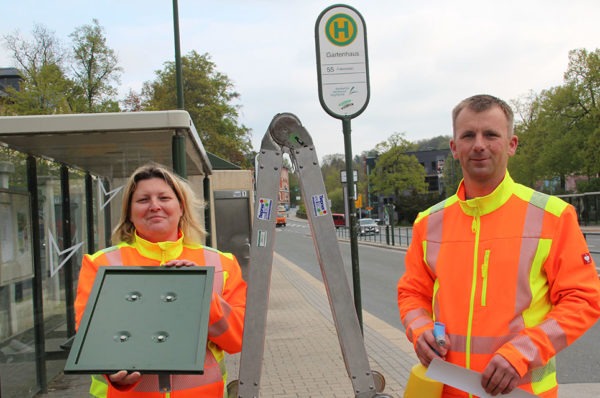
x=587 y=259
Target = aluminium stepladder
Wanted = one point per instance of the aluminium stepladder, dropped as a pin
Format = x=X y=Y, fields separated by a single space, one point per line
x=287 y=135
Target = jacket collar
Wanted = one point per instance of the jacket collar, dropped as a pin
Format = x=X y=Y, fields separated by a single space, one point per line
x=160 y=251
x=486 y=204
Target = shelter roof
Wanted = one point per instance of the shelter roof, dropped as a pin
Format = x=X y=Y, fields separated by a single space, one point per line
x=107 y=144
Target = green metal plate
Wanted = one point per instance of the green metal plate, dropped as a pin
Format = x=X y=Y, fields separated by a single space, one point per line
x=148 y=319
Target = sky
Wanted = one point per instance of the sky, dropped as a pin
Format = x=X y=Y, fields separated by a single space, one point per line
x=424 y=56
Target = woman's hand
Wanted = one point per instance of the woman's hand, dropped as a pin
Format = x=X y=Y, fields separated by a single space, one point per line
x=123 y=378
x=180 y=263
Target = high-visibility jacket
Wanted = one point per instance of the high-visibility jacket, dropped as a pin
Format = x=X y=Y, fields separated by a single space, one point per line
x=508 y=273
x=226 y=318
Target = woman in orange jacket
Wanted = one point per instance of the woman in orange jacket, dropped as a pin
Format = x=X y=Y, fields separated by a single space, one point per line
x=158 y=227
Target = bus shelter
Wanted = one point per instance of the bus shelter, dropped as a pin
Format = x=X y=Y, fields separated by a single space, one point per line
x=60 y=183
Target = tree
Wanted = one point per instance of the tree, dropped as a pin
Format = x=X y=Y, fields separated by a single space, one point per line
x=47 y=93
x=439 y=142
x=45 y=88
x=31 y=56
x=95 y=67
x=397 y=173
x=559 y=133
x=583 y=74
x=132 y=102
x=451 y=175
x=208 y=95
x=331 y=167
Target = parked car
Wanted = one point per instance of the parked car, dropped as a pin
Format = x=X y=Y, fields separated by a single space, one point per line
x=367 y=226
x=339 y=220
x=281 y=219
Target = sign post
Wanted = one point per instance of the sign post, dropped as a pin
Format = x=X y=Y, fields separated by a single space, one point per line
x=343 y=76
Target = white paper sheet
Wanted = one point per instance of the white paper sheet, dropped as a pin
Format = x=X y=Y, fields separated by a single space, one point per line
x=466 y=380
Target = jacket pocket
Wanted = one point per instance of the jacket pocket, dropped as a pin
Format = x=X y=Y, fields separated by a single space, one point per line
x=484 y=277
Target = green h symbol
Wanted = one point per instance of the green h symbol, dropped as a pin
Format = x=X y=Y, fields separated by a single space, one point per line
x=339 y=29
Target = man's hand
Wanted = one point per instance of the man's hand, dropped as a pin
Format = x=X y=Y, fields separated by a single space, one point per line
x=122 y=378
x=499 y=376
x=426 y=348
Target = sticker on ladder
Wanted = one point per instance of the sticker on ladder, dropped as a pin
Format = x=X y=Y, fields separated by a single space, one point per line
x=262 y=239
x=264 y=209
x=319 y=205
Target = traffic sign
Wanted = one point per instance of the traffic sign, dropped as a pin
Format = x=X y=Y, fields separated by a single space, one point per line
x=342 y=61
x=343 y=178
x=359 y=203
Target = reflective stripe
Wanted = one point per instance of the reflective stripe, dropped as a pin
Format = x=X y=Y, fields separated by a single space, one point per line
x=528 y=349
x=212 y=374
x=417 y=324
x=435 y=223
x=114 y=257
x=479 y=344
x=222 y=325
x=412 y=315
x=532 y=230
x=213 y=259
x=99 y=387
x=489 y=345
x=436 y=303
x=543 y=379
x=555 y=333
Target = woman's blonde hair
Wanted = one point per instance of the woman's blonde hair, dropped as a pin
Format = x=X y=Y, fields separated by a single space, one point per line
x=189 y=223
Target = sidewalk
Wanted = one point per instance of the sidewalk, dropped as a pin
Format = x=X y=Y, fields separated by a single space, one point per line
x=302 y=355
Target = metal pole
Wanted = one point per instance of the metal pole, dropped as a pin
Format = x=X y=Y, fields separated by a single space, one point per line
x=107 y=217
x=178 y=153
x=207 y=220
x=89 y=213
x=178 y=143
x=178 y=74
x=66 y=235
x=38 y=276
x=352 y=210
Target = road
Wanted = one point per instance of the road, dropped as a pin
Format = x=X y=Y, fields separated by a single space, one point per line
x=380 y=270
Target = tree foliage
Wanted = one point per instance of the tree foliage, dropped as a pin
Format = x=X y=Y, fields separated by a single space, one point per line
x=48 y=87
x=32 y=55
x=395 y=172
x=208 y=95
x=560 y=128
x=331 y=168
x=45 y=89
x=95 y=67
x=439 y=142
x=451 y=175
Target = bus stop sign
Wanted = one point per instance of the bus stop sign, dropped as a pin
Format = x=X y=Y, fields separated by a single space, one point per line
x=342 y=62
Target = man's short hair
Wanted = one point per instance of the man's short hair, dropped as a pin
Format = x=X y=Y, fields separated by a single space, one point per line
x=483 y=102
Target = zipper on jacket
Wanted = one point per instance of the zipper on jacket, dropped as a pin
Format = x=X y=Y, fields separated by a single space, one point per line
x=475 y=227
x=484 y=277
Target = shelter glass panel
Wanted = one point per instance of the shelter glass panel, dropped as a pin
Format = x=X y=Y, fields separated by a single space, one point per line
x=17 y=344
x=78 y=220
x=51 y=246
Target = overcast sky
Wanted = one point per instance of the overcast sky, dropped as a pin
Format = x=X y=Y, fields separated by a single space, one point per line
x=424 y=56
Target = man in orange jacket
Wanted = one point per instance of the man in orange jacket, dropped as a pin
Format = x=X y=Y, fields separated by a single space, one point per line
x=506 y=268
